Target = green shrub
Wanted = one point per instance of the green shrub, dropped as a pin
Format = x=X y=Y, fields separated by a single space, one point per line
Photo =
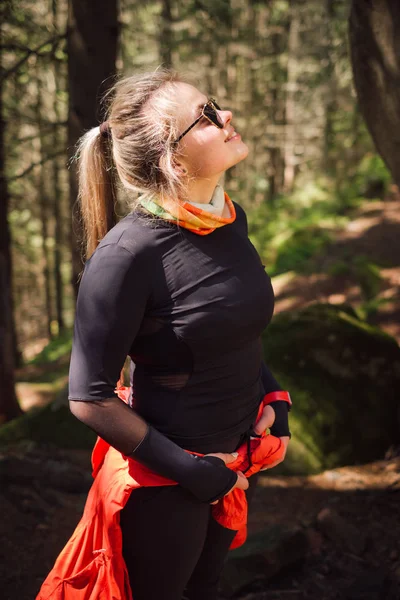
x=297 y=252
x=55 y=349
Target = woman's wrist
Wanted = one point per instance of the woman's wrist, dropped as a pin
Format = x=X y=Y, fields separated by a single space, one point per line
x=280 y=427
x=207 y=478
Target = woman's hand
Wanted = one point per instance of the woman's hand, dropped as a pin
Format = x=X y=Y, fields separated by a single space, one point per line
x=265 y=422
x=242 y=481
x=285 y=441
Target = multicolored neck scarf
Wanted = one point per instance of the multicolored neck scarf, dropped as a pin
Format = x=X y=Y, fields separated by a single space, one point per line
x=192 y=215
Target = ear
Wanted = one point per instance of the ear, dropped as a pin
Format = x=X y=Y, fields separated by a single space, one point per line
x=180 y=168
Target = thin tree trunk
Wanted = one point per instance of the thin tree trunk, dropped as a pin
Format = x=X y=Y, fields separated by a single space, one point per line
x=44 y=212
x=92 y=51
x=166 y=34
x=276 y=160
x=57 y=196
x=330 y=99
x=290 y=120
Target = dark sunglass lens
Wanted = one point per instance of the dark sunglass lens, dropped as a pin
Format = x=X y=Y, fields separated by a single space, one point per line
x=210 y=113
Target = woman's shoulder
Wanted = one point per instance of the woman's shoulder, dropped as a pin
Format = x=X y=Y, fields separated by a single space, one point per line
x=136 y=233
x=240 y=212
x=241 y=217
x=125 y=251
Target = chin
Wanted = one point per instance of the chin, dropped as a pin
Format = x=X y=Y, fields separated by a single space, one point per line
x=241 y=152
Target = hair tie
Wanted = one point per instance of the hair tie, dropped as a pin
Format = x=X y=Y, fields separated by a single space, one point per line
x=105 y=129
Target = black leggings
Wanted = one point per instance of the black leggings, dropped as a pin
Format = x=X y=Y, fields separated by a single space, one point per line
x=172 y=546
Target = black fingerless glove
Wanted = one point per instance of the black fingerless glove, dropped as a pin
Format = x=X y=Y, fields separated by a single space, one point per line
x=280 y=427
x=207 y=478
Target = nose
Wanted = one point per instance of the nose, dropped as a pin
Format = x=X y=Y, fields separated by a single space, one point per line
x=226 y=116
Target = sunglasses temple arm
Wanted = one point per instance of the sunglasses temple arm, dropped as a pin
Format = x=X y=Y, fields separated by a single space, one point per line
x=188 y=129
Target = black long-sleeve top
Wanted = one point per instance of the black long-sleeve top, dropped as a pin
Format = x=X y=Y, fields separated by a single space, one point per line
x=189 y=311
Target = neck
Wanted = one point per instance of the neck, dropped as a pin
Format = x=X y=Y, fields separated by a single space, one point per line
x=201 y=190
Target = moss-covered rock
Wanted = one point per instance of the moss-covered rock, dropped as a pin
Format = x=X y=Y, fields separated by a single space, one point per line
x=344 y=378
x=51 y=424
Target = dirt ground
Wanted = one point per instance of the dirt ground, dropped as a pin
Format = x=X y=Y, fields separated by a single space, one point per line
x=359 y=559
x=373 y=233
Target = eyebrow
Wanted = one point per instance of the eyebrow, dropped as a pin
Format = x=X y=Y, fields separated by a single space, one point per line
x=200 y=106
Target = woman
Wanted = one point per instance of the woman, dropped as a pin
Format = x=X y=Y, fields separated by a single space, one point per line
x=178 y=287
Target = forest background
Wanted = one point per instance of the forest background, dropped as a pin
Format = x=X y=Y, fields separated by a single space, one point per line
x=313 y=86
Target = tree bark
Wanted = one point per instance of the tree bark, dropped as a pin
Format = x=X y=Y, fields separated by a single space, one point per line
x=92 y=51
x=290 y=118
x=58 y=195
x=330 y=104
x=9 y=407
x=166 y=34
x=276 y=159
x=44 y=211
x=375 y=53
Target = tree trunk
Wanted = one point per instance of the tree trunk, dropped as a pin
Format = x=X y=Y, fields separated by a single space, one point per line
x=58 y=195
x=43 y=208
x=375 y=55
x=166 y=34
x=330 y=100
x=92 y=50
x=9 y=407
x=290 y=106
x=276 y=159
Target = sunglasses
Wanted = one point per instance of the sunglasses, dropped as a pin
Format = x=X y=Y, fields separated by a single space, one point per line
x=209 y=112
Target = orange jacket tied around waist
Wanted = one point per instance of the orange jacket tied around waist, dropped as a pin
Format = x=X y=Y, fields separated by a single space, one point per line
x=91 y=565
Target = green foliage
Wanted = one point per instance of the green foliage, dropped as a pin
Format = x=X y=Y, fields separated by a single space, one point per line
x=48 y=425
x=361 y=269
x=56 y=349
x=366 y=178
x=372 y=174
x=296 y=253
x=49 y=369
x=293 y=230
x=220 y=10
x=368 y=276
x=369 y=308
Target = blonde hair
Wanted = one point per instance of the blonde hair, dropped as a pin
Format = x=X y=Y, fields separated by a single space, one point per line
x=142 y=127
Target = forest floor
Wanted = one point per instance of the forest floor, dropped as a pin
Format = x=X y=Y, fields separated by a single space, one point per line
x=350 y=518
x=373 y=234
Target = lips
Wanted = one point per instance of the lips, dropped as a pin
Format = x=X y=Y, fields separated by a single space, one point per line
x=232 y=135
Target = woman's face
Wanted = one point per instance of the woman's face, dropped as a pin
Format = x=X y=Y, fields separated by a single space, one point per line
x=206 y=151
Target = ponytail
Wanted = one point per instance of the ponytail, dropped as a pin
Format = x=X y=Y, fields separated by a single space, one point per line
x=96 y=190
x=139 y=148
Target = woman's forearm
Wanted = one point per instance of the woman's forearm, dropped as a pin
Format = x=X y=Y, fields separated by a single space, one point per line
x=207 y=478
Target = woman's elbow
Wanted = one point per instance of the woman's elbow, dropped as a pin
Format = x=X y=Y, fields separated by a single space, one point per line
x=80 y=410
x=74 y=407
x=88 y=411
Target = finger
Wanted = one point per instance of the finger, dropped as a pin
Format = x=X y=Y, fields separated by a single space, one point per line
x=272 y=465
x=242 y=482
x=266 y=421
x=285 y=440
x=231 y=457
x=227 y=457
